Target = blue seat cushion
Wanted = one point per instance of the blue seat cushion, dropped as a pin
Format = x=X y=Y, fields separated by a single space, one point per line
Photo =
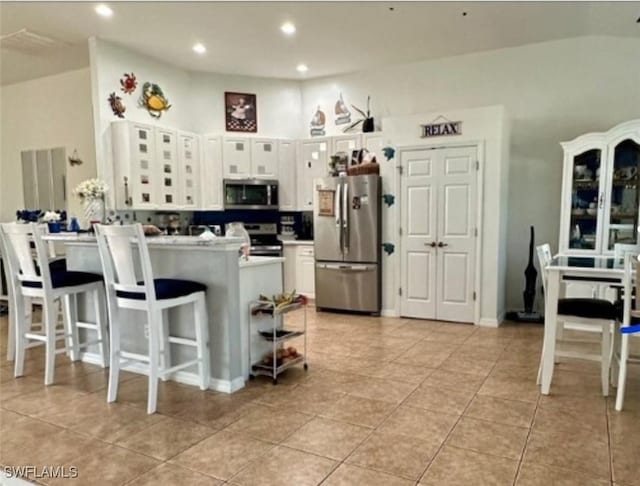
x=166 y=288
x=63 y=278
x=589 y=308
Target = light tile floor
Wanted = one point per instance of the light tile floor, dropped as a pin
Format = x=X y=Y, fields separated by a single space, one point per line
x=385 y=402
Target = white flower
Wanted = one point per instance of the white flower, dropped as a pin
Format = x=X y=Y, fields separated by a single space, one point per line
x=50 y=216
x=91 y=189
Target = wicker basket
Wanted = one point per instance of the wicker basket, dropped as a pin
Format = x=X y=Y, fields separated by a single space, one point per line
x=364 y=169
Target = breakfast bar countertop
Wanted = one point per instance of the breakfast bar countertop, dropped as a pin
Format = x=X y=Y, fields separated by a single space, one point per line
x=162 y=240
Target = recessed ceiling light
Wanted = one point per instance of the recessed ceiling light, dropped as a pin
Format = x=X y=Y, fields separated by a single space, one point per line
x=302 y=68
x=288 y=28
x=104 y=10
x=199 y=48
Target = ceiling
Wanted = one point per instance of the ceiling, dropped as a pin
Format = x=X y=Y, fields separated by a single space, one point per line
x=332 y=37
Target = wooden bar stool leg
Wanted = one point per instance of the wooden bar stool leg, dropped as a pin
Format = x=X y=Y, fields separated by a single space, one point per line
x=20 y=318
x=615 y=363
x=606 y=358
x=49 y=318
x=154 y=359
x=114 y=356
x=622 y=377
x=98 y=304
x=165 y=345
x=202 y=339
x=71 y=328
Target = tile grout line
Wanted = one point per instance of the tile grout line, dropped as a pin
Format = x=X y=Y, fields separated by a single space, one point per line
x=526 y=443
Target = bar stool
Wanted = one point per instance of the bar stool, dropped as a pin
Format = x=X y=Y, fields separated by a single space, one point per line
x=49 y=284
x=122 y=250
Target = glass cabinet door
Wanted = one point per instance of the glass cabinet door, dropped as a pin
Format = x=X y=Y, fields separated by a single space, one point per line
x=622 y=217
x=585 y=200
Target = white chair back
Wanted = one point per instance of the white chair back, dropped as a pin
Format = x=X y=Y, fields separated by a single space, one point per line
x=621 y=250
x=119 y=246
x=17 y=239
x=544 y=259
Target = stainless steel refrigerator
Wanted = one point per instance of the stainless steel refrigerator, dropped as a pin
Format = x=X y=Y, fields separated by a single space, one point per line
x=346 y=225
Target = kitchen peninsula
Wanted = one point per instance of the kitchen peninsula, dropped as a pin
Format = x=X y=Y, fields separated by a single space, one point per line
x=232 y=283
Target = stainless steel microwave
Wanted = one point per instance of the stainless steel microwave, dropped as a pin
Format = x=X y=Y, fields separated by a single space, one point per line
x=250 y=194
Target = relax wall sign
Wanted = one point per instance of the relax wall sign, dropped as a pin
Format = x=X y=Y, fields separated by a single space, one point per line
x=442 y=129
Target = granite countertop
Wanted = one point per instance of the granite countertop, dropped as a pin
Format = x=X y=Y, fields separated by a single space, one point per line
x=163 y=240
x=297 y=242
x=256 y=261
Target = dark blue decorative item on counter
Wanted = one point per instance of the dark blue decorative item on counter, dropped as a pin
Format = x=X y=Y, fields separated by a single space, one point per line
x=54 y=226
x=73 y=225
x=28 y=215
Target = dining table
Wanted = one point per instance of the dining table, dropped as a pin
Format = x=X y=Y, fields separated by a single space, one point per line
x=598 y=270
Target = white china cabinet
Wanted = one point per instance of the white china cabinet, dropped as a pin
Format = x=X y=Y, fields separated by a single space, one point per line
x=190 y=169
x=314 y=163
x=601 y=191
x=287 y=155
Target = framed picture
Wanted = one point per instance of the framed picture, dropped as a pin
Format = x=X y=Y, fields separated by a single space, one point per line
x=326 y=202
x=241 y=113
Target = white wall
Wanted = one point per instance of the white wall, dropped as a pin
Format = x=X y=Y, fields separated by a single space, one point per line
x=54 y=111
x=552 y=92
x=197 y=99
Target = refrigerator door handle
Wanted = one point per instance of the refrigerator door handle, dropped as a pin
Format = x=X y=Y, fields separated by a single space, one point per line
x=343 y=267
x=345 y=217
x=338 y=212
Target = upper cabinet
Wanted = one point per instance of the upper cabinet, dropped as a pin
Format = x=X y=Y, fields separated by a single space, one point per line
x=137 y=175
x=190 y=171
x=155 y=168
x=287 y=156
x=264 y=158
x=600 y=191
x=314 y=160
x=236 y=156
x=212 y=173
x=346 y=143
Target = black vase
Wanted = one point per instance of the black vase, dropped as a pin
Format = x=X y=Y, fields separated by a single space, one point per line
x=368 y=125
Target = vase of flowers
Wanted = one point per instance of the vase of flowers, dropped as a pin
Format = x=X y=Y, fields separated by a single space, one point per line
x=53 y=221
x=92 y=195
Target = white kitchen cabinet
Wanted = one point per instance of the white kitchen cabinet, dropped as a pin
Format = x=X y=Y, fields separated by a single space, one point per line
x=374 y=143
x=167 y=159
x=137 y=175
x=236 y=157
x=212 y=173
x=313 y=163
x=287 y=187
x=190 y=173
x=346 y=143
x=305 y=271
x=264 y=159
x=601 y=191
x=289 y=254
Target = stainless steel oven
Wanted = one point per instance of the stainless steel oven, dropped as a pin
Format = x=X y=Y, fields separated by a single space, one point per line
x=250 y=194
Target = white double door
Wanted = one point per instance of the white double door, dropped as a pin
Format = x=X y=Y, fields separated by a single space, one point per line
x=438 y=221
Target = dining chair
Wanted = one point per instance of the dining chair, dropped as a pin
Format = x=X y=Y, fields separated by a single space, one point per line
x=627 y=326
x=588 y=311
x=123 y=251
x=49 y=284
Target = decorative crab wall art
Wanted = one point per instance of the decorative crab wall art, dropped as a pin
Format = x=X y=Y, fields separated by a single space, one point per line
x=129 y=83
x=153 y=100
x=117 y=106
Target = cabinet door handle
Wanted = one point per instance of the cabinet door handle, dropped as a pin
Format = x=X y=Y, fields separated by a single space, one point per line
x=442 y=245
x=601 y=200
x=432 y=244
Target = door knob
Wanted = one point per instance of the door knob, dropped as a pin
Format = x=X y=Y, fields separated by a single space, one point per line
x=442 y=245
x=432 y=244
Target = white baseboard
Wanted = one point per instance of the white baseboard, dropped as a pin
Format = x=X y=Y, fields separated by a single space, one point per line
x=389 y=313
x=223 y=386
x=489 y=322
